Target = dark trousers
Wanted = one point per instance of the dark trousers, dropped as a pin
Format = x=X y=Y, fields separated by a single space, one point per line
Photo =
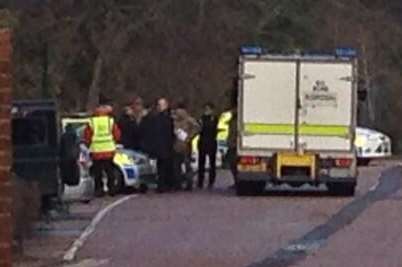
x=98 y=168
x=183 y=175
x=202 y=156
x=165 y=173
x=70 y=172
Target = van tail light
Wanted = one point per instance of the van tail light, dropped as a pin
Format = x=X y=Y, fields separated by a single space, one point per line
x=343 y=163
x=249 y=160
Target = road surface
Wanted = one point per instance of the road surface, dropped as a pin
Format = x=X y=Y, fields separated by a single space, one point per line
x=216 y=228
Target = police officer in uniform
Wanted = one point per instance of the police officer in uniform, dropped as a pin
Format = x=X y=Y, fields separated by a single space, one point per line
x=102 y=135
x=207 y=145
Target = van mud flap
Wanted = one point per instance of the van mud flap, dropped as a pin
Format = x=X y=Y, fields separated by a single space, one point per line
x=295 y=165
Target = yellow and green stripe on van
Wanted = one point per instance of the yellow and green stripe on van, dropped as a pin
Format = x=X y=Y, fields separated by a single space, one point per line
x=304 y=129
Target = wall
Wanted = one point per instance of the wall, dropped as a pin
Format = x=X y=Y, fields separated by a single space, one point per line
x=5 y=149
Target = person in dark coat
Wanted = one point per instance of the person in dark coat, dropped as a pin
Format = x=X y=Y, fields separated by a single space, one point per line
x=148 y=134
x=126 y=124
x=164 y=138
x=207 y=145
x=139 y=114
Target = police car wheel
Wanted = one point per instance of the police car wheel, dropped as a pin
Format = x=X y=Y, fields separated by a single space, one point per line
x=143 y=189
x=363 y=162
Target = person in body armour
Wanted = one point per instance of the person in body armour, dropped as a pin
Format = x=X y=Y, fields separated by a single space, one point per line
x=207 y=145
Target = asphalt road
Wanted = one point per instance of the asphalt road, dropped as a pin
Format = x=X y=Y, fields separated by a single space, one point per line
x=287 y=228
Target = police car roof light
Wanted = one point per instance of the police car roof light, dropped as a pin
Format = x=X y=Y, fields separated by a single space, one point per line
x=251 y=50
x=318 y=53
x=345 y=52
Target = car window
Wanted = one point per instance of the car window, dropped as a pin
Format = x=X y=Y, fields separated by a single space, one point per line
x=78 y=127
x=29 y=131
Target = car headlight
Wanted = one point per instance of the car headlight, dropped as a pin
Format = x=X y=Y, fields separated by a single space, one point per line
x=374 y=137
x=361 y=140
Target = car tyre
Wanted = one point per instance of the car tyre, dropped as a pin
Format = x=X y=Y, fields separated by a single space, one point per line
x=143 y=189
x=346 y=190
x=250 y=188
x=363 y=162
x=118 y=184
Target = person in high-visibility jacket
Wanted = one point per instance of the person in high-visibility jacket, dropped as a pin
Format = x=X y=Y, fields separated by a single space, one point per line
x=102 y=135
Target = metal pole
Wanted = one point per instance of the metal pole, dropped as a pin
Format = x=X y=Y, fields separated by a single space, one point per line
x=45 y=70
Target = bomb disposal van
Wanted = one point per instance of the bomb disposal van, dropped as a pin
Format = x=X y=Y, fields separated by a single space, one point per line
x=297 y=120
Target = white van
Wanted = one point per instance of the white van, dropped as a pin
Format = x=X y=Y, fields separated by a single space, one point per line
x=297 y=121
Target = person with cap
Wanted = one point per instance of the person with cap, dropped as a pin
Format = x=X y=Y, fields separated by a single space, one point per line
x=102 y=135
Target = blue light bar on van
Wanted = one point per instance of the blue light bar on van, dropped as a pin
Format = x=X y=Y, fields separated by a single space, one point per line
x=345 y=52
x=251 y=50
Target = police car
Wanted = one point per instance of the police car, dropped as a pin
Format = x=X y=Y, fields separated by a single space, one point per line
x=371 y=144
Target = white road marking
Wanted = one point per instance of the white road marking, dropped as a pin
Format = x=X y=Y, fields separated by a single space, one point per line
x=306 y=246
x=374 y=187
x=88 y=263
x=78 y=243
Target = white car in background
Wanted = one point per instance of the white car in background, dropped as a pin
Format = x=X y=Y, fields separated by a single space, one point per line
x=371 y=144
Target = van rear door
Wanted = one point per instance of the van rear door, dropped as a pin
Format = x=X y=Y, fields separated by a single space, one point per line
x=326 y=106
x=267 y=105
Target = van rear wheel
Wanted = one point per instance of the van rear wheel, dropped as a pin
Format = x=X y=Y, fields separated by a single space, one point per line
x=339 y=189
x=250 y=188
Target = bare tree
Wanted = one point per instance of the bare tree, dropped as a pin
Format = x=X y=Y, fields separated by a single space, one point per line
x=95 y=89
